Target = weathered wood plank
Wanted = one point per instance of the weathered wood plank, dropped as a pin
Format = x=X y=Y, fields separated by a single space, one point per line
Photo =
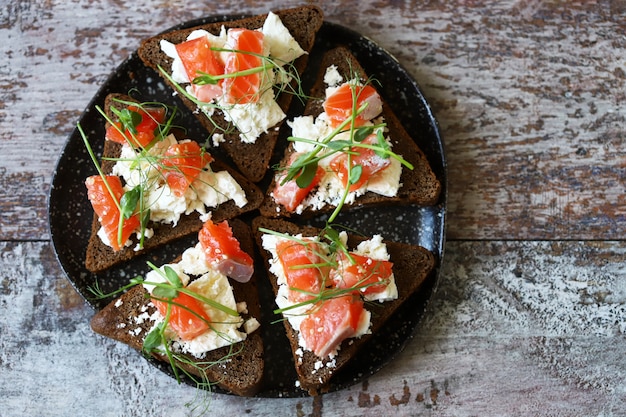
x=532 y=112
x=530 y=99
x=517 y=328
x=529 y=96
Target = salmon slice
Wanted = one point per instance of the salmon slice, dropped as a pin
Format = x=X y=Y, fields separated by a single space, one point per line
x=366 y=275
x=339 y=105
x=333 y=321
x=290 y=194
x=104 y=205
x=141 y=134
x=198 y=58
x=247 y=48
x=181 y=165
x=223 y=251
x=187 y=316
x=302 y=267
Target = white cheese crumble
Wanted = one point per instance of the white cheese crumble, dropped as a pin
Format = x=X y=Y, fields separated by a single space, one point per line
x=283 y=48
x=332 y=77
x=254 y=119
x=216 y=139
x=251 y=325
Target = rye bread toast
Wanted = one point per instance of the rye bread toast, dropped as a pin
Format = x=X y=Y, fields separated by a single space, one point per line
x=412 y=264
x=241 y=374
x=252 y=159
x=99 y=256
x=419 y=186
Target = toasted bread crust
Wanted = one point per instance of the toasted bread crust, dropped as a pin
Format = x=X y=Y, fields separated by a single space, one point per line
x=420 y=185
x=252 y=159
x=100 y=257
x=412 y=264
x=243 y=372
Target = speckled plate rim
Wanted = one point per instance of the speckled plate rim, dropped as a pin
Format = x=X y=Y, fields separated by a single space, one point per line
x=413 y=111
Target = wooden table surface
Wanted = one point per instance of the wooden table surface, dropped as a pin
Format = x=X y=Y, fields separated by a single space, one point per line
x=530 y=314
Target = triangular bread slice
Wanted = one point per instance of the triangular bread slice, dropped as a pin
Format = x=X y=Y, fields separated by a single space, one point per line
x=100 y=257
x=241 y=374
x=412 y=264
x=252 y=159
x=420 y=185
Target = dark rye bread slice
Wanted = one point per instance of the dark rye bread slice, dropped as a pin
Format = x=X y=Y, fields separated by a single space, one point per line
x=252 y=159
x=241 y=374
x=100 y=257
x=420 y=186
x=412 y=264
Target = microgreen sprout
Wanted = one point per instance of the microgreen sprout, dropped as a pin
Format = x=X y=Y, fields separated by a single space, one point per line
x=129 y=119
x=203 y=78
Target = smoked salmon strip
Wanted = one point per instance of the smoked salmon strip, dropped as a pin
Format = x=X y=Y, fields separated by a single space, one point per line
x=246 y=55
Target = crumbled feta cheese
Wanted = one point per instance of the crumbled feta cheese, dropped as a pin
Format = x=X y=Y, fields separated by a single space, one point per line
x=242 y=307
x=283 y=48
x=251 y=325
x=374 y=248
x=332 y=77
x=254 y=119
x=216 y=139
x=141 y=318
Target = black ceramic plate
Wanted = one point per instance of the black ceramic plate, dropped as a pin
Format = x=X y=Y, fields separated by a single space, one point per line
x=70 y=213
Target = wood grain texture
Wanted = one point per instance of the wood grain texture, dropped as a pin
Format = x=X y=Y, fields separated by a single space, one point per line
x=529 y=96
x=514 y=329
x=529 y=317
